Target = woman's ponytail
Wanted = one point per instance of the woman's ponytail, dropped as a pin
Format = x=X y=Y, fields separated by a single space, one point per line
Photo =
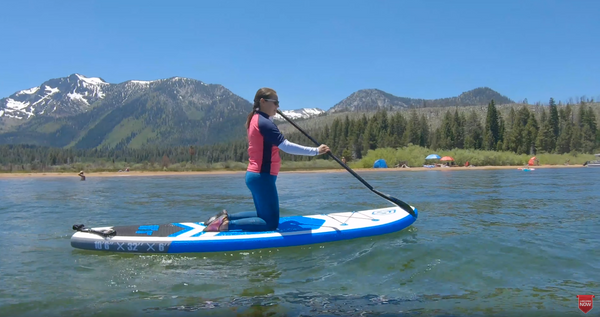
x=261 y=93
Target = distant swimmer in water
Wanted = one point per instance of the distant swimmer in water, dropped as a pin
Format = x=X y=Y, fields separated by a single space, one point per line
x=81 y=175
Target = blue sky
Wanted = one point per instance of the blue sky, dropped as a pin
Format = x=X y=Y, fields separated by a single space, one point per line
x=314 y=53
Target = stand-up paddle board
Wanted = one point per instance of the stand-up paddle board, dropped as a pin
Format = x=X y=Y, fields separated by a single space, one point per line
x=292 y=231
x=526 y=169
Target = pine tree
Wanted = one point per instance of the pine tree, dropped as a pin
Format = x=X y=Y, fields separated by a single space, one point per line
x=518 y=132
x=473 y=132
x=501 y=131
x=554 y=120
x=588 y=129
x=336 y=131
x=433 y=139
x=554 y=123
x=490 y=136
x=507 y=145
x=371 y=134
x=412 y=133
x=358 y=127
x=326 y=138
x=458 y=130
x=397 y=128
x=424 y=133
x=383 y=130
x=576 y=139
x=511 y=118
x=446 y=137
x=343 y=142
x=545 y=139
x=531 y=130
x=588 y=139
x=563 y=143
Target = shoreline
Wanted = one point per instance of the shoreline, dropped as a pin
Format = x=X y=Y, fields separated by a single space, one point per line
x=200 y=173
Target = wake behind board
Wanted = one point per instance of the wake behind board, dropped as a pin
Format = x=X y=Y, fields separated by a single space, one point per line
x=292 y=231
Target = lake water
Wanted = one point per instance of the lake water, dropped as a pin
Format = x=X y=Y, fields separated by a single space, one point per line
x=487 y=242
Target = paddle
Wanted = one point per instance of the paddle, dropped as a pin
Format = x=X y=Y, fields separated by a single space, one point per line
x=394 y=200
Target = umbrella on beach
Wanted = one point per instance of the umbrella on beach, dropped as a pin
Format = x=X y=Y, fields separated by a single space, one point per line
x=432 y=157
x=446 y=158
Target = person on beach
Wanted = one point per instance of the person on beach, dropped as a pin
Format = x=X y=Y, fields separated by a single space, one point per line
x=81 y=175
x=264 y=142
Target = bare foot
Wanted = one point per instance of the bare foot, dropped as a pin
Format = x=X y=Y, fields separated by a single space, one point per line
x=224 y=225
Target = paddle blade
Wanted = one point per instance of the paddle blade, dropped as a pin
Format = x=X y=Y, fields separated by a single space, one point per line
x=397 y=202
x=404 y=206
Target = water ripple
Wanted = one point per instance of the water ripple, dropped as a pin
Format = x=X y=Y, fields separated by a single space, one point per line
x=486 y=243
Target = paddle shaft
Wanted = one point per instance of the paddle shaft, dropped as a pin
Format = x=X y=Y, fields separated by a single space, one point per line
x=394 y=200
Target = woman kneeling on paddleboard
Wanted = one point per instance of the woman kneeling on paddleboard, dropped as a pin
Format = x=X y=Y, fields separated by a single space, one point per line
x=264 y=142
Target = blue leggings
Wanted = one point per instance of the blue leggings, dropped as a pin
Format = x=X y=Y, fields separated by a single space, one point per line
x=266 y=201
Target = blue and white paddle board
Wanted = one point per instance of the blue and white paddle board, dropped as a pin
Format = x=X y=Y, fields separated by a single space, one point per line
x=292 y=231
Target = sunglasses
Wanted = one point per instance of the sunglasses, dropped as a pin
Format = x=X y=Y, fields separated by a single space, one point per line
x=275 y=101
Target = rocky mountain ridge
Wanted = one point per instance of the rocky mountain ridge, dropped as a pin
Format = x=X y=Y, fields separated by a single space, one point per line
x=87 y=112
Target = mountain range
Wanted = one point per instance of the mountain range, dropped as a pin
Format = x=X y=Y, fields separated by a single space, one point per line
x=87 y=112
x=374 y=99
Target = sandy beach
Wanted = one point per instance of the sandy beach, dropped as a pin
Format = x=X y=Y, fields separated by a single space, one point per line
x=340 y=170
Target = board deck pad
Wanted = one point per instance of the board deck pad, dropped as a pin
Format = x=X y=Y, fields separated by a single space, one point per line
x=292 y=231
x=164 y=230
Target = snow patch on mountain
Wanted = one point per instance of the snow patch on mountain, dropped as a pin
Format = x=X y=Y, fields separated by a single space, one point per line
x=91 y=80
x=15 y=105
x=94 y=84
x=140 y=82
x=303 y=113
x=29 y=91
x=15 y=109
x=51 y=90
x=77 y=96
